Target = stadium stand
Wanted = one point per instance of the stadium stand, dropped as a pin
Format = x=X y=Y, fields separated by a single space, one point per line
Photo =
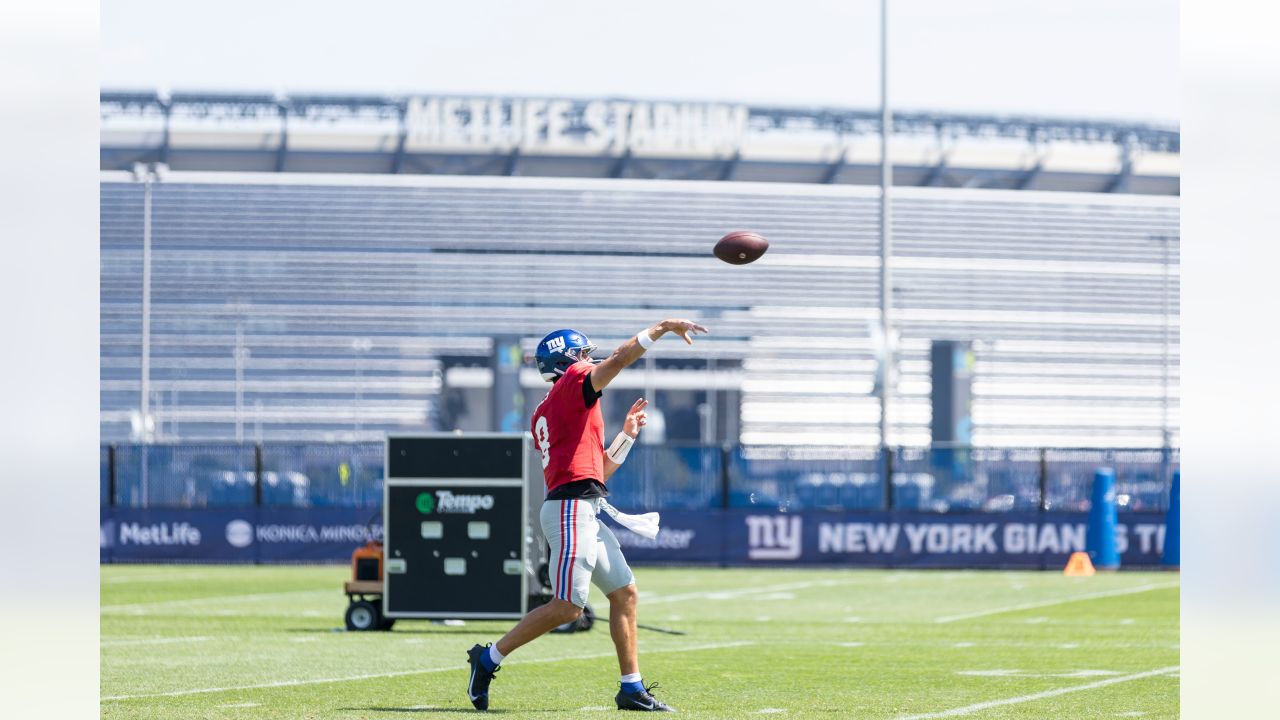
x=294 y=306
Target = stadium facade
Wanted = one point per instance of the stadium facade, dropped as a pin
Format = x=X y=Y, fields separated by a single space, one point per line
x=625 y=138
x=371 y=278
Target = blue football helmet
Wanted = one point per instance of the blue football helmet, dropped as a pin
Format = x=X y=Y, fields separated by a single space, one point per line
x=560 y=349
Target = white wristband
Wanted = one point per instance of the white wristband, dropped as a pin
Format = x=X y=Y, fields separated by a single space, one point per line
x=620 y=447
x=645 y=341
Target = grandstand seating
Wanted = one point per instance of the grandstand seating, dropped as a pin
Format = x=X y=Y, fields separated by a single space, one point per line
x=347 y=291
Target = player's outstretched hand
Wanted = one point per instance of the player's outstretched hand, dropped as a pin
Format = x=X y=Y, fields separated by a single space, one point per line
x=684 y=328
x=636 y=418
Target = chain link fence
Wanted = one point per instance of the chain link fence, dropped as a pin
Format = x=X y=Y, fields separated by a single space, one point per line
x=658 y=477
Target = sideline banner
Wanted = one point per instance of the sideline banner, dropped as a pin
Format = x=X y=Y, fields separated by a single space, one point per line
x=886 y=539
x=269 y=535
x=699 y=537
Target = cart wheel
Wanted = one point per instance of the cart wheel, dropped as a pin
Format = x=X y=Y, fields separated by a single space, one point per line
x=362 y=615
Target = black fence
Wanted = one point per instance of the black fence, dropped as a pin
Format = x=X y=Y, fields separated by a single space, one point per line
x=658 y=477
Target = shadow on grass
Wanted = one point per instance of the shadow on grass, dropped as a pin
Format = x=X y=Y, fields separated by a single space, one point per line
x=397 y=631
x=469 y=711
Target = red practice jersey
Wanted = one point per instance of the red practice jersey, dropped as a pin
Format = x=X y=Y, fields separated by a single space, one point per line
x=569 y=434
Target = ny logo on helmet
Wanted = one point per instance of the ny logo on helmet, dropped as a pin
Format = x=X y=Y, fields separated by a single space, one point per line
x=555 y=344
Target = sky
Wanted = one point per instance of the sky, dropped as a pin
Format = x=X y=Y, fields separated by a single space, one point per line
x=1083 y=58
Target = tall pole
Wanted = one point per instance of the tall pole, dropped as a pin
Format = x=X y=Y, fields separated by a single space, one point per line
x=1164 y=360
x=240 y=354
x=886 y=232
x=144 y=401
x=359 y=346
x=359 y=385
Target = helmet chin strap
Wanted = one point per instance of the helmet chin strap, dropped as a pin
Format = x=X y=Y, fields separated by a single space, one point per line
x=560 y=374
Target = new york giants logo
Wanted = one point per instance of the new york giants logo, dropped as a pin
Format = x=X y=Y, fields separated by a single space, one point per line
x=555 y=344
x=773 y=537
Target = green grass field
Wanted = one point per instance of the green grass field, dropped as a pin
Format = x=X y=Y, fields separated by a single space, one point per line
x=266 y=642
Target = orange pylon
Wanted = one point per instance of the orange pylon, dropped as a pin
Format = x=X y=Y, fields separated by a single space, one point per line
x=1079 y=565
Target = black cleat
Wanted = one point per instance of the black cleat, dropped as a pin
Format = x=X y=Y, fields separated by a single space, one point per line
x=641 y=700
x=478 y=685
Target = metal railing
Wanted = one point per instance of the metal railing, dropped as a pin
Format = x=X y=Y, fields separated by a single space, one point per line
x=657 y=477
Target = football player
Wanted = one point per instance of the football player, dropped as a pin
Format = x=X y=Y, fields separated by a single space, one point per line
x=568 y=431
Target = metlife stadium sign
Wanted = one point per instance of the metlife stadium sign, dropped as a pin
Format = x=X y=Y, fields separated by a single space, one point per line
x=595 y=126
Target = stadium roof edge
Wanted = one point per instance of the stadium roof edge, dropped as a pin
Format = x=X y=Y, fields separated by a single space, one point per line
x=637 y=185
x=616 y=138
x=1033 y=128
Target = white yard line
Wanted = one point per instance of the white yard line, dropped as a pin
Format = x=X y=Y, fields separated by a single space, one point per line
x=1059 y=601
x=153 y=641
x=215 y=599
x=969 y=709
x=400 y=673
x=1100 y=646
x=162 y=577
x=740 y=592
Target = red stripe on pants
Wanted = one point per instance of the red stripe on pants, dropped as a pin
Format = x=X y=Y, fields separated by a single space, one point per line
x=573 y=547
x=564 y=548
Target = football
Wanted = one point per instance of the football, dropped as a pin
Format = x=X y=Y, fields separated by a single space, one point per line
x=741 y=247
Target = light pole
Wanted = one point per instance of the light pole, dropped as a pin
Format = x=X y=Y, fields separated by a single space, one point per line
x=241 y=355
x=1164 y=359
x=886 y=244
x=1165 y=434
x=144 y=399
x=360 y=346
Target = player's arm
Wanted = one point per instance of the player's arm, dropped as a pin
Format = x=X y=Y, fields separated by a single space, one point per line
x=631 y=350
x=636 y=419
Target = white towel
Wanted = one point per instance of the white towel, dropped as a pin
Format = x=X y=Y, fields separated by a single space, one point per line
x=645 y=525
